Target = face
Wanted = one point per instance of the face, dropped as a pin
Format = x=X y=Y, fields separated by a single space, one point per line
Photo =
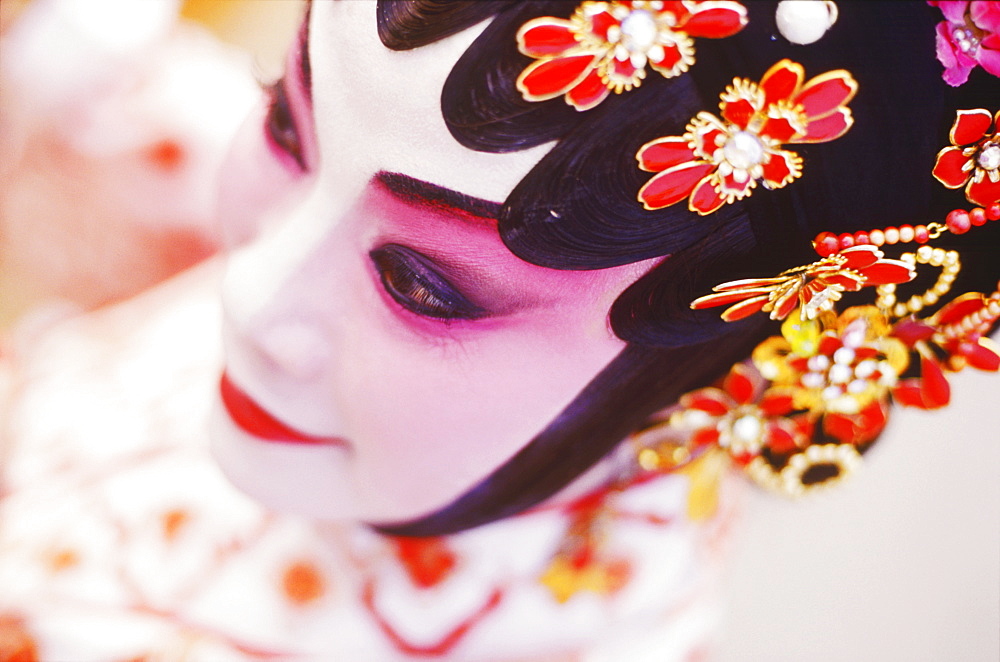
x=384 y=350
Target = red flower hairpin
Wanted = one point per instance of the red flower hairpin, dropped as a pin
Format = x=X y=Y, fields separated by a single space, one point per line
x=606 y=46
x=973 y=159
x=812 y=399
x=719 y=160
x=812 y=289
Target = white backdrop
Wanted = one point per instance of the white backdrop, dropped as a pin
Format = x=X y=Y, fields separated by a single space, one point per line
x=900 y=563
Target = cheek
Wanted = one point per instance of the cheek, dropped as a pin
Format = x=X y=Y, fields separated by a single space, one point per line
x=454 y=412
x=255 y=185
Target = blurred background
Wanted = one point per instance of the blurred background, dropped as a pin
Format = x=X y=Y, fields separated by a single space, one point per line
x=902 y=563
x=110 y=135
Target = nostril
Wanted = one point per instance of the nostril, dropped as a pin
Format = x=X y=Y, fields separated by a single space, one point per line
x=296 y=348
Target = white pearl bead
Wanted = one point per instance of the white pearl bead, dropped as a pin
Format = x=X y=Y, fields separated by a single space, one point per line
x=640 y=28
x=841 y=374
x=743 y=150
x=989 y=158
x=844 y=355
x=805 y=21
x=747 y=429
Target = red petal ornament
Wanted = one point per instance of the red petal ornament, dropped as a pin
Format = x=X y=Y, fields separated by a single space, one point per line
x=787 y=302
x=949 y=167
x=935 y=391
x=859 y=257
x=984 y=355
x=885 y=272
x=709 y=400
x=777 y=404
x=665 y=65
x=589 y=92
x=705 y=437
x=738 y=385
x=984 y=192
x=739 y=112
x=857 y=428
x=664 y=153
x=970 y=126
x=707 y=139
x=723 y=20
x=724 y=298
x=827 y=128
x=912 y=331
x=781 y=81
x=779 y=129
x=907 y=393
x=780 y=439
x=783 y=167
x=827 y=92
x=745 y=283
x=745 y=309
x=547 y=79
x=962 y=306
x=705 y=199
x=546 y=37
x=673 y=184
x=601 y=23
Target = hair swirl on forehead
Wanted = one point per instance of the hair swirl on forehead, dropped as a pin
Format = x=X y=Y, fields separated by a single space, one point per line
x=406 y=25
x=577 y=208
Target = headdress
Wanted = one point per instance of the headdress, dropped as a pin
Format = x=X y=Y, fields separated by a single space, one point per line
x=811 y=400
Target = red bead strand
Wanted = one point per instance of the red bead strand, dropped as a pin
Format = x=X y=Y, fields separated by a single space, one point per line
x=959 y=221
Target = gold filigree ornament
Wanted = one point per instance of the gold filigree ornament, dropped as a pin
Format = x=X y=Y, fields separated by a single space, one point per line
x=947 y=260
x=819 y=393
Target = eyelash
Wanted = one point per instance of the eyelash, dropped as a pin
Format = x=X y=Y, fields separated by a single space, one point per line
x=417 y=287
x=280 y=126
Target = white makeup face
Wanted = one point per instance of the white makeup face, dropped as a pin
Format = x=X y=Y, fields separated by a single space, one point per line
x=384 y=350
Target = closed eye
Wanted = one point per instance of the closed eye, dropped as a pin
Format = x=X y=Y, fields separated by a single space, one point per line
x=280 y=126
x=413 y=282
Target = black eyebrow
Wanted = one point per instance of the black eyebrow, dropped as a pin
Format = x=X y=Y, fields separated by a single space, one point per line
x=420 y=192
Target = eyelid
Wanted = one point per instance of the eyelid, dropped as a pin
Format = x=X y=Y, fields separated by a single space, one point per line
x=397 y=261
x=291 y=96
x=280 y=107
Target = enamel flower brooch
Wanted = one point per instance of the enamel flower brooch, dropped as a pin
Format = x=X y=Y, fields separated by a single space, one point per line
x=607 y=46
x=721 y=159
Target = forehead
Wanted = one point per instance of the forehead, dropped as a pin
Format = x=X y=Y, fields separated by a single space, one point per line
x=379 y=110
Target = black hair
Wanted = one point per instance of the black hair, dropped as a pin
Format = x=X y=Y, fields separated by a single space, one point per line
x=577 y=208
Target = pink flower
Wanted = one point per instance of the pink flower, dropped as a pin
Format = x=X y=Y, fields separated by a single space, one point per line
x=969 y=36
x=606 y=46
x=721 y=159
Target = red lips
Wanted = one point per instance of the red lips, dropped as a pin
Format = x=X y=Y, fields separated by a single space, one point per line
x=253 y=419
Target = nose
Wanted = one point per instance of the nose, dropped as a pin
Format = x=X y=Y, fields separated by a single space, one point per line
x=277 y=312
x=294 y=347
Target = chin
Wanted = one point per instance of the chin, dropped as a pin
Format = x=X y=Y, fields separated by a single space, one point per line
x=289 y=478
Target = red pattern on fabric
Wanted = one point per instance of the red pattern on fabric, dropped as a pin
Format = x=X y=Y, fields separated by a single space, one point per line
x=445 y=644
